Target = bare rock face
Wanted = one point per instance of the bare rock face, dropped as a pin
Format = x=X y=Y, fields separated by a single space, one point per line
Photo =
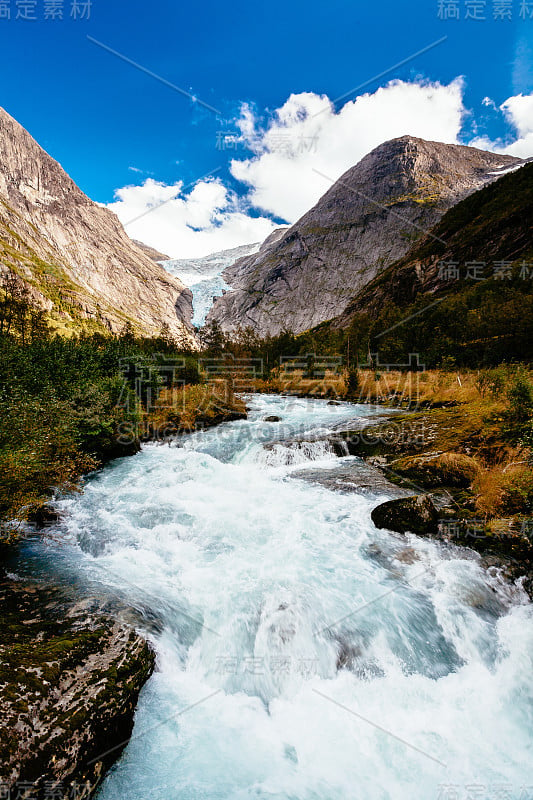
x=70 y=677
x=493 y=224
x=369 y=219
x=74 y=255
x=151 y=252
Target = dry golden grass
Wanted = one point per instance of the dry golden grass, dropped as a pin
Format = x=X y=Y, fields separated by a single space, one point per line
x=444 y=469
x=467 y=408
x=184 y=407
x=438 y=387
x=429 y=387
x=294 y=382
x=503 y=489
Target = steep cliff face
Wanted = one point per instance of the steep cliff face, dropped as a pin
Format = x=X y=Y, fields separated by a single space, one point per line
x=151 y=252
x=74 y=255
x=369 y=219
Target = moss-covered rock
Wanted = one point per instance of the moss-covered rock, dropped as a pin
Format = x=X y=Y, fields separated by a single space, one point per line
x=70 y=677
x=408 y=514
x=454 y=470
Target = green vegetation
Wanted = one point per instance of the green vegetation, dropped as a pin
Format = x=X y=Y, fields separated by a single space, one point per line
x=478 y=321
x=61 y=402
x=69 y=405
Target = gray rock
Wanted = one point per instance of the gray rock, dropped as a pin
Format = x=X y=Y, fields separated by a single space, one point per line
x=70 y=677
x=151 y=252
x=74 y=255
x=370 y=218
x=408 y=514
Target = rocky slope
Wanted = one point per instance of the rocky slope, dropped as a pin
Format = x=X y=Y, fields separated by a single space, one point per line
x=70 y=677
x=492 y=226
x=369 y=219
x=151 y=252
x=73 y=254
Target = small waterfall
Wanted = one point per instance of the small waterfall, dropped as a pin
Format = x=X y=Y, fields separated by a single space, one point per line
x=294 y=453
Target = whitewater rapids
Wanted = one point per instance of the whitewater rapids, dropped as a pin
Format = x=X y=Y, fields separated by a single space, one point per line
x=302 y=654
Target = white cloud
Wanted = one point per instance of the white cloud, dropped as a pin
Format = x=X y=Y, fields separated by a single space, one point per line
x=207 y=219
x=303 y=135
x=518 y=112
x=307 y=134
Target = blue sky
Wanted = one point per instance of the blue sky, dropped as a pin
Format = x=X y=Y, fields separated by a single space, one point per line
x=101 y=117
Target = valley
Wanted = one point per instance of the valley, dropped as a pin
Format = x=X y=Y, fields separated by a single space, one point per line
x=256 y=505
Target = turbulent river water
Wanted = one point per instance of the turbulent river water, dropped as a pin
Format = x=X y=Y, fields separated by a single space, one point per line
x=302 y=654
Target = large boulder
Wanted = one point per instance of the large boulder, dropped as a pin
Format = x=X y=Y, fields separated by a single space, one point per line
x=408 y=514
x=70 y=677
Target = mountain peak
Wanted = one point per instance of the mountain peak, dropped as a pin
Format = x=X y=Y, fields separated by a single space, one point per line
x=74 y=255
x=364 y=222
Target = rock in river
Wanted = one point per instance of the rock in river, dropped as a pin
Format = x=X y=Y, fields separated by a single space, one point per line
x=408 y=514
x=70 y=677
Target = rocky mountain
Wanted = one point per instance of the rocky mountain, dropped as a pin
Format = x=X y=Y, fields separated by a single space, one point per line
x=483 y=243
x=151 y=252
x=74 y=255
x=367 y=220
x=463 y=295
x=204 y=276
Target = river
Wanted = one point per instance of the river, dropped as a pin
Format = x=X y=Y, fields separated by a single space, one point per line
x=302 y=654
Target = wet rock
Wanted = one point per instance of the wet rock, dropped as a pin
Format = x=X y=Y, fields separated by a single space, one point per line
x=334 y=403
x=70 y=677
x=340 y=448
x=347 y=655
x=407 y=556
x=43 y=515
x=290 y=753
x=272 y=418
x=408 y=514
x=386 y=438
x=356 y=477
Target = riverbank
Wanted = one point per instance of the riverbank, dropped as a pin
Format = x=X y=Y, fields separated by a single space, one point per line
x=70 y=674
x=70 y=678
x=33 y=473
x=478 y=478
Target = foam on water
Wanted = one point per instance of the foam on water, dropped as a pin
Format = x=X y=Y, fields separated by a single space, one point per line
x=302 y=654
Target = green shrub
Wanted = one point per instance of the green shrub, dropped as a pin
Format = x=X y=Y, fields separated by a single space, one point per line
x=519 y=413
